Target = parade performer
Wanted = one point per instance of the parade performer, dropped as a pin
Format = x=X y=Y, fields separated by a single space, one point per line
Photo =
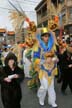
x=26 y=62
x=32 y=45
x=46 y=67
x=10 y=78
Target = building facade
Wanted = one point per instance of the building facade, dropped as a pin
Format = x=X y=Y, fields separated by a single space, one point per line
x=10 y=36
x=2 y=34
x=6 y=36
x=67 y=16
x=20 y=35
x=43 y=13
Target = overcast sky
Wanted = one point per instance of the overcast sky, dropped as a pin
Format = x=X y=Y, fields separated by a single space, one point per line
x=27 y=5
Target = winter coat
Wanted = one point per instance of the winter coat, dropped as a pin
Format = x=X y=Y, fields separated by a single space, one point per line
x=11 y=92
x=64 y=62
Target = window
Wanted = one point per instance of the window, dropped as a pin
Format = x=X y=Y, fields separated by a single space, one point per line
x=68 y=2
x=63 y=16
x=39 y=15
x=44 y=10
x=40 y=25
x=70 y=14
x=45 y=24
x=70 y=29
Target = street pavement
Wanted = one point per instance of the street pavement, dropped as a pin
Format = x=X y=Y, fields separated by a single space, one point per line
x=30 y=100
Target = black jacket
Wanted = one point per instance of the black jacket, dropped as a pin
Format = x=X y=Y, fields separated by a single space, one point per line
x=64 y=62
x=11 y=92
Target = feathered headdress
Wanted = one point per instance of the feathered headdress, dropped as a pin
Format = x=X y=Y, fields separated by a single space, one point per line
x=17 y=16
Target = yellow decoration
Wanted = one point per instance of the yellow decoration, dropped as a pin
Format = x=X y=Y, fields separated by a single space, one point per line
x=44 y=30
x=49 y=80
x=31 y=82
x=49 y=54
x=55 y=71
x=44 y=74
x=52 y=25
x=41 y=74
x=32 y=26
x=35 y=46
x=37 y=61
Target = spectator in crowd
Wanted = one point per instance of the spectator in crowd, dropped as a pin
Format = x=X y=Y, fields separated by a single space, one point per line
x=10 y=78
